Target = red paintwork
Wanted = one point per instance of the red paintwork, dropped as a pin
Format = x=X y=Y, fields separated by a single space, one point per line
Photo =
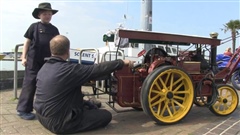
x=129 y=86
x=129 y=83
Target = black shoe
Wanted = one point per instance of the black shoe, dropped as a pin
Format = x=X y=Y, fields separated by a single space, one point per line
x=95 y=102
x=26 y=116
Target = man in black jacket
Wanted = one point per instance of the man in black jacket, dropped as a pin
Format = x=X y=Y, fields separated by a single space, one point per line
x=59 y=100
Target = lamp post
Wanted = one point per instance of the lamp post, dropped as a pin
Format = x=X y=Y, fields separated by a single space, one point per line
x=146 y=18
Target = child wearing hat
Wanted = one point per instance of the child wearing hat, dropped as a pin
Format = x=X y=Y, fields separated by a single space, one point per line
x=35 y=49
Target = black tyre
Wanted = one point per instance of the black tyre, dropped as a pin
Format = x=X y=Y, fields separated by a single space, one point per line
x=235 y=79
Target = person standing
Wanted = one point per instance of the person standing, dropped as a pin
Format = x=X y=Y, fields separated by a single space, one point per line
x=35 y=49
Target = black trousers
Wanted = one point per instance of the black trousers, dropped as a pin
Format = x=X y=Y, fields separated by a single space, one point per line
x=79 y=122
x=25 y=101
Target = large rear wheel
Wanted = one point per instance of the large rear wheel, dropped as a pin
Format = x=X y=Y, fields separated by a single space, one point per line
x=167 y=94
x=227 y=101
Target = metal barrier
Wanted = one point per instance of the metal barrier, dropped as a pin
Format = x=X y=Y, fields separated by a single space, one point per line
x=89 y=49
x=114 y=53
x=15 y=81
x=96 y=58
x=103 y=59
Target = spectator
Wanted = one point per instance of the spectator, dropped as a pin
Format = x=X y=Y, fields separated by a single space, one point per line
x=228 y=52
x=35 y=49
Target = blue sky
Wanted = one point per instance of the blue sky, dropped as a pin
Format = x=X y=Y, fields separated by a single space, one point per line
x=85 y=22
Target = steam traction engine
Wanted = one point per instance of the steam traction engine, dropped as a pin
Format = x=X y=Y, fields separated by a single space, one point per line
x=166 y=87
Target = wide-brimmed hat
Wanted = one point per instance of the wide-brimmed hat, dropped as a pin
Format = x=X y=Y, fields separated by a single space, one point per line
x=43 y=6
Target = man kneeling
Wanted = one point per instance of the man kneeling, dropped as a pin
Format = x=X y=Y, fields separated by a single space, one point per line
x=59 y=103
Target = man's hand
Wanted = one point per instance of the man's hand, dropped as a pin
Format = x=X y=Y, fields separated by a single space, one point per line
x=128 y=63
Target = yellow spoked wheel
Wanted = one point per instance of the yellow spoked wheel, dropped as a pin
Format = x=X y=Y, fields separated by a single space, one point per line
x=227 y=101
x=167 y=94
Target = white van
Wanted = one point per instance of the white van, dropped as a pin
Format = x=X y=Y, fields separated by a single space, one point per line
x=171 y=50
x=130 y=52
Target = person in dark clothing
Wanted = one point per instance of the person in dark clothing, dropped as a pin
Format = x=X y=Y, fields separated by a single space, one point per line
x=35 y=49
x=59 y=100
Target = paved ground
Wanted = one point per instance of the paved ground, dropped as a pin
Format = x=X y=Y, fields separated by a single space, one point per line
x=198 y=122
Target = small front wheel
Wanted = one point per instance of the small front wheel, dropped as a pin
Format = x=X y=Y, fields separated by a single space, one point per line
x=227 y=101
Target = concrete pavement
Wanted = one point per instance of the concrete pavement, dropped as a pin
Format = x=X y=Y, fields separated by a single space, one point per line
x=199 y=121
